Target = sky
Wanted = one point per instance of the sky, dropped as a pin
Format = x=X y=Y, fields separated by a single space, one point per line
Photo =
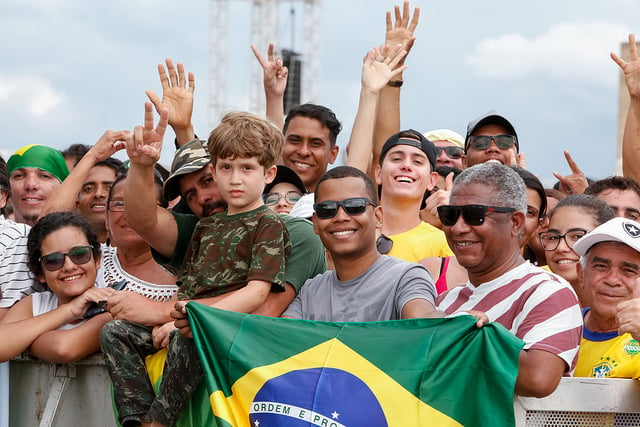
x=71 y=70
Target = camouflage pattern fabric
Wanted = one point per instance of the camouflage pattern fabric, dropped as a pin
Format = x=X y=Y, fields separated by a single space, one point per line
x=125 y=346
x=227 y=251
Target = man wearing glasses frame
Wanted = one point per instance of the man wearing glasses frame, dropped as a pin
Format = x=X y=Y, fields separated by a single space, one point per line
x=483 y=224
x=364 y=286
x=491 y=137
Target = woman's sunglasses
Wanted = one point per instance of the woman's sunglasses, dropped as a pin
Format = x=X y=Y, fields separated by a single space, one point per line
x=78 y=255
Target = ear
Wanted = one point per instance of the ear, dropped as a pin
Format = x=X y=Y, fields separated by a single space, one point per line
x=517 y=222
x=377 y=211
x=4 y=195
x=433 y=180
x=333 y=153
x=270 y=174
x=464 y=160
x=580 y=272
x=314 y=220
x=378 y=174
x=106 y=221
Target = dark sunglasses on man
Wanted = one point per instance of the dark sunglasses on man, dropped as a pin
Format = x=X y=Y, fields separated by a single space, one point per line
x=471 y=214
x=452 y=152
x=353 y=206
x=482 y=142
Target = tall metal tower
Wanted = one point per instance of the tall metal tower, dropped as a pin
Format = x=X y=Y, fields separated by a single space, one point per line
x=266 y=16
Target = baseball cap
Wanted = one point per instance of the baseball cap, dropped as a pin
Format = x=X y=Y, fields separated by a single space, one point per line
x=445 y=135
x=189 y=158
x=413 y=138
x=286 y=174
x=618 y=229
x=490 y=118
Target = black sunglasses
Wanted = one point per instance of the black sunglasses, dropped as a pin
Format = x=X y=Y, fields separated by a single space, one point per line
x=384 y=244
x=471 y=214
x=482 y=142
x=451 y=152
x=78 y=255
x=353 y=206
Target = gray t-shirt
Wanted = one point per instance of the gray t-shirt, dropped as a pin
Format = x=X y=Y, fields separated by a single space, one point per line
x=377 y=294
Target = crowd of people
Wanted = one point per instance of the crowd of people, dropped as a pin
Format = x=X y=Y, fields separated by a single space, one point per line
x=255 y=220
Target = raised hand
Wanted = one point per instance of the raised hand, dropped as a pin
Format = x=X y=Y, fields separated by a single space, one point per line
x=630 y=69
x=575 y=183
x=274 y=72
x=144 y=145
x=109 y=143
x=380 y=65
x=401 y=31
x=177 y=95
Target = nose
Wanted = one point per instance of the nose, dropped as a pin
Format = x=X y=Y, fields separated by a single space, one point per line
x=282 y=201
x=102 y=192
x=303 y=149
x=31 y=181
x=341 y=214
x=460 y=226
x=202 y=197
x=492 y=146
x=68 y=264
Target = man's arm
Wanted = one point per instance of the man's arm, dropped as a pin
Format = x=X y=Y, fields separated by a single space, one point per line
x=155 y=224
x=379 y=66
x=177 y=98
x=275 y=82
x=631 y=138
x=67 y=194
x=420 y=308
x=388 y=117
x=539 y=373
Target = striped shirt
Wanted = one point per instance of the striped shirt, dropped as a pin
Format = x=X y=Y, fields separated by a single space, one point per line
x=536 y=306
x=16 y=281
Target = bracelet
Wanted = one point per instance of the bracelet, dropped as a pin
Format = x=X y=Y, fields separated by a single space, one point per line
x=395 y=83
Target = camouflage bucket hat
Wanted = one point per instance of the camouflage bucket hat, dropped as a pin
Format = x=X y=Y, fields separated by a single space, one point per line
x=189 y=158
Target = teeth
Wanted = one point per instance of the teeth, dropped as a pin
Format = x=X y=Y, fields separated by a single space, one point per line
x=494 y=161
x=302 y=165
x=464 y=243
x=32 y=200
x=342 y=233
x=566 y=261
x=70 y=278
x=404 y=179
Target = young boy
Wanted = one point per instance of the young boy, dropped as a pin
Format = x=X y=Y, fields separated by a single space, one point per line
x=240 y=252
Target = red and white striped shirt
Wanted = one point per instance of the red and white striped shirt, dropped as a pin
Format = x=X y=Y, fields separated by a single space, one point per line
x=536 y=306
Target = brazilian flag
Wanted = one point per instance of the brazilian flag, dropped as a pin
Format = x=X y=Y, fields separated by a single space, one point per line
x=265 y=372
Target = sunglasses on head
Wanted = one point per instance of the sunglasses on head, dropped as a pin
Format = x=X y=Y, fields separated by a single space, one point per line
x=471 y=214
x=78 y=255
x=353 y=206
x=451 y=152
x=290 y=197
x=482 y=142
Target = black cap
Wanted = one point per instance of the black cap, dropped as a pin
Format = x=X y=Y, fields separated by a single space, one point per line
x=286 y=174
x=490 y=118
x=413 y=138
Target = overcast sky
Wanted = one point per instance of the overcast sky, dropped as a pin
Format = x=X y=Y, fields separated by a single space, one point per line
x=70 y=69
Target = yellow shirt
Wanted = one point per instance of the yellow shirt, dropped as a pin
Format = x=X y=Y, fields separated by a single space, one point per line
x=420 y=242
x=605 y=354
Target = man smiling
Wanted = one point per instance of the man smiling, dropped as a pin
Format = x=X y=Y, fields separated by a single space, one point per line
x=364 y=286
x=483 y=225
x=310 y=133
x=491 y=137
x=405 y=173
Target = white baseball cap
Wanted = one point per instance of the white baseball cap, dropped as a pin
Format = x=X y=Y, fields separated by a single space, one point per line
x=618 y=229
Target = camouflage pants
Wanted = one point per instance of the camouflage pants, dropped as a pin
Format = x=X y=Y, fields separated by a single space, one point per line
x=125 y=346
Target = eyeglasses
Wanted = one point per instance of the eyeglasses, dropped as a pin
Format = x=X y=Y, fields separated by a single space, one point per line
x=471 y=214
x=482 y=142
x=353 y=206
x=384 y=244
x=116 y=206
x=550 y=240
x=78 y=255
x=451 y=152
x=290 y=197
